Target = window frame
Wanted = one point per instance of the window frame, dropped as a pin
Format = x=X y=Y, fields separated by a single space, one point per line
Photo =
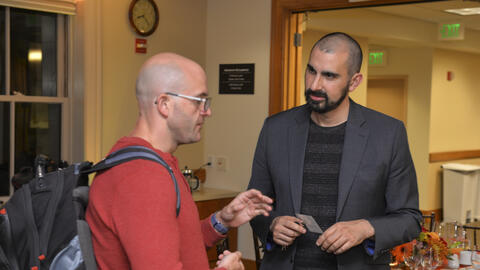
x=64 y=88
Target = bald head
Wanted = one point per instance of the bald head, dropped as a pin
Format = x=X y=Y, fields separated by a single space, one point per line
x=335 y=42
x=164 y=72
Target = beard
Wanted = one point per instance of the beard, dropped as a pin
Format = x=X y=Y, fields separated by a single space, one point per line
x=326 y=105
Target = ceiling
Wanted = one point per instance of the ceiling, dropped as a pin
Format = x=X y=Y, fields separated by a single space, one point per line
x=434 y=12
x=402 y=25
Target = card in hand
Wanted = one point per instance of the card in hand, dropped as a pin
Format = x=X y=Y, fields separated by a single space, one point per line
x=310 y=223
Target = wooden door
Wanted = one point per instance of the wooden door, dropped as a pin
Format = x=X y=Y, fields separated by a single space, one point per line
x=389 y=96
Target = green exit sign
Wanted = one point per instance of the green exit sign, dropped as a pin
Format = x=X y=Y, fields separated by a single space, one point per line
x=450 y=31
x=377 y=58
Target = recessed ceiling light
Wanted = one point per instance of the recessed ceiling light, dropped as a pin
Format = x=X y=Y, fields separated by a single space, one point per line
x=465 y=11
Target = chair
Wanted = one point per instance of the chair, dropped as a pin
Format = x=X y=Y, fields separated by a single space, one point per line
x=429 y=220
x=259 y=250
x=221 y=246
x=476 y=229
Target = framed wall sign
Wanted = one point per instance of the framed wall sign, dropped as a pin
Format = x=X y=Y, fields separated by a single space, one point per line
x=237 y=79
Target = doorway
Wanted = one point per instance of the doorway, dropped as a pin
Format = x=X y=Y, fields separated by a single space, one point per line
x=388 y=95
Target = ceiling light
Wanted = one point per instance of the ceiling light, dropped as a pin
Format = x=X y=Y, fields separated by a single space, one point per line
x=465 y=11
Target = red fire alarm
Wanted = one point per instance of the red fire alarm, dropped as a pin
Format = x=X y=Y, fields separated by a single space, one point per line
x=449 y=75
x=140 y=45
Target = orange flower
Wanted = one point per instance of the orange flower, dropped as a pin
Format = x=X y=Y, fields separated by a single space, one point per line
x=429 y=240
x=398 y=251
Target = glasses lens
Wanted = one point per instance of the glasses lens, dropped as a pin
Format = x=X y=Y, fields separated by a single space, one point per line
x=206 y=106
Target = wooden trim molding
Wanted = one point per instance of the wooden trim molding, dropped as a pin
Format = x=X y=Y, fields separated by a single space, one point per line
x=88 y=74
x=454 y=155
x=56 y=6
x=280 y=53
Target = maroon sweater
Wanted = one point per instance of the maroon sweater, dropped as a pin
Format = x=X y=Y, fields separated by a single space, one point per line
x=131 y=213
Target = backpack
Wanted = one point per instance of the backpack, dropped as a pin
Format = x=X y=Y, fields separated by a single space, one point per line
x=43 y=224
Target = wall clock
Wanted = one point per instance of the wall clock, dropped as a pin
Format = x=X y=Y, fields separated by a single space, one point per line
x=143 y=16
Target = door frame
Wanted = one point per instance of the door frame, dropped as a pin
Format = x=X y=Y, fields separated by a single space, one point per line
x=284 y=57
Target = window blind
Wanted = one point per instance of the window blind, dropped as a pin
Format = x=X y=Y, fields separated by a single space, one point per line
x=55 y=6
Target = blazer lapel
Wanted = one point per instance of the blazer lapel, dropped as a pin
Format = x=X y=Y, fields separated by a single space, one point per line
x=297 y=141
x=356 y=135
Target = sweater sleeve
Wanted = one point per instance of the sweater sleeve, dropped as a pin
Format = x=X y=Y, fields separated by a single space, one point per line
x=210 y=235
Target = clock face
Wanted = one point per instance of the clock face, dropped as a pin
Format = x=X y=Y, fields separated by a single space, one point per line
x=144 y=16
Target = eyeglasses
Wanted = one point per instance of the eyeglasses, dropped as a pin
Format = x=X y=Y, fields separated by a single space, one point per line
x=206 y=101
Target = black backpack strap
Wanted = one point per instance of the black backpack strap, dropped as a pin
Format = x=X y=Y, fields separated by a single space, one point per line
x=131 y=153
x=31 y=225
x=4 y=264
x=8 y=260
x=46 y=230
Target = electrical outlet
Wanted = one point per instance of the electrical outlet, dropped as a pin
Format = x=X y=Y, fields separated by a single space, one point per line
x=221 y=164
x=210 y=162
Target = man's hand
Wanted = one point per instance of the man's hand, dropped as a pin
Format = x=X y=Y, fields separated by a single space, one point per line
x=342 y=236
x=230 y=261
x=244 y=207
x=285 y=229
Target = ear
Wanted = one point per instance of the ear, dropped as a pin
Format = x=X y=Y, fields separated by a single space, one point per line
x=163 y=105
x=355 y=81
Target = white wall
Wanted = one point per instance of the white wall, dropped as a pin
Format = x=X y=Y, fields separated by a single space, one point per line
x=237 y=32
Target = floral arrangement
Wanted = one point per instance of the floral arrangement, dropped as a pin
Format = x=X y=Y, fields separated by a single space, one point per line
x=423 y=242
x=437 y=243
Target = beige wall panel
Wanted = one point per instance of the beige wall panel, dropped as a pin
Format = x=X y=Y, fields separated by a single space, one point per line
x=455 y=112
x=237 y=32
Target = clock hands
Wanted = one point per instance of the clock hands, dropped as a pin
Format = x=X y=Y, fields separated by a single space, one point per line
x=143 y=16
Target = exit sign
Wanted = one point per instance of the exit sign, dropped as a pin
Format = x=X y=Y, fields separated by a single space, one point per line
x=377 y=58
x=451 y=31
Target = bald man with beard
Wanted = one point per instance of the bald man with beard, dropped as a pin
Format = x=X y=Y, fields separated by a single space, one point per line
x=131 y=210
x=346 y=166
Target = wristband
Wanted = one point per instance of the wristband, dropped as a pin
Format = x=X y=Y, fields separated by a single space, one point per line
x=219 y=227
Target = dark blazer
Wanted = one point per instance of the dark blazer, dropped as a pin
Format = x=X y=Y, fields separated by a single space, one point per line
x=377 y=182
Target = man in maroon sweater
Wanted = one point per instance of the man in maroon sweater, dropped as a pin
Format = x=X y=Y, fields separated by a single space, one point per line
x=132 y=206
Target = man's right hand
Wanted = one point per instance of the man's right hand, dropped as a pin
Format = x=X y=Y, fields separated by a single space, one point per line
x=285 y=229
x=230 y=260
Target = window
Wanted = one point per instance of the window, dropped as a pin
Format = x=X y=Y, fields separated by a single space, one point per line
x=33 y=90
